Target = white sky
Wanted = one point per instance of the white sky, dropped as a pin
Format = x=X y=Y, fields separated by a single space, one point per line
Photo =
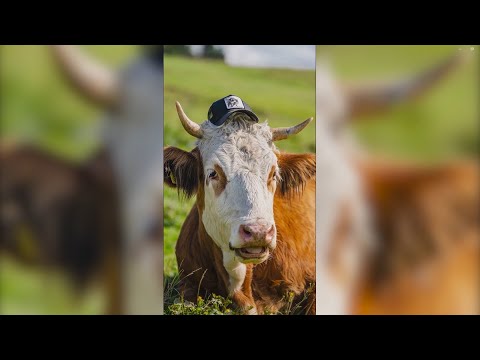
x=280 y=56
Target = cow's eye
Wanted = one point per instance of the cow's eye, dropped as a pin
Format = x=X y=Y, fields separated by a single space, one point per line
x=213 y=175
x=274 y=176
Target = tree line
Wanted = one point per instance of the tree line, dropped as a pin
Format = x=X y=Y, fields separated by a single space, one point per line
x=207 y=51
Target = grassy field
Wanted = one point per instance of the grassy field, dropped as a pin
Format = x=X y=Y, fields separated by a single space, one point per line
x=28 y=290
x=284 y=97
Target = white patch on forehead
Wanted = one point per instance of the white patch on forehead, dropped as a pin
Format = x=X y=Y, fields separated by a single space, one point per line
x=238 y=143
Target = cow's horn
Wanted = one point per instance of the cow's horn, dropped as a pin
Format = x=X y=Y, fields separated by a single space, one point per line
x=93 y=80
x=283 y=133
x=368 y=99
x=190 y=126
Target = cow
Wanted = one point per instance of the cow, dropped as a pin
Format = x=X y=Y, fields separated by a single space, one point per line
x=104 y=214
x=251 y=233
x=393 y=237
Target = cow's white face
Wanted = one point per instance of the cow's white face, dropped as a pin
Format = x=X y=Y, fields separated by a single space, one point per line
x=240 y=174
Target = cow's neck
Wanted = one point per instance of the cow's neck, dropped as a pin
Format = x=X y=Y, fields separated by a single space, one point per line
x=236 y=270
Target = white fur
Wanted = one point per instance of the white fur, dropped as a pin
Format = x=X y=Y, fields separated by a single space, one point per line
x=337 y=185
x=236 y=271
x=245 y=152
x=134 y=137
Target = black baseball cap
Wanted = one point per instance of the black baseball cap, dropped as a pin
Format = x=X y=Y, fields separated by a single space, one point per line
x=221 y=109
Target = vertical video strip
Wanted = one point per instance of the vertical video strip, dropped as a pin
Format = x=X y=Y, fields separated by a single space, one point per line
x=139 y=145
x=239 y=215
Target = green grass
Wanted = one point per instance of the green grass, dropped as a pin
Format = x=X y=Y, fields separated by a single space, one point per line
x=218 y=305
x=30 y=290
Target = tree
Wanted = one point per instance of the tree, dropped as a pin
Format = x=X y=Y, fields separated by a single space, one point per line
x=212 y=52
x=183 y=50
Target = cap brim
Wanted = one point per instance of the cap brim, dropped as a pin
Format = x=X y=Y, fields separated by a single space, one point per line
x=230 y=112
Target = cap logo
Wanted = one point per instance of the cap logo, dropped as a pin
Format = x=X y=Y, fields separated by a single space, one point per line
x=234 y=102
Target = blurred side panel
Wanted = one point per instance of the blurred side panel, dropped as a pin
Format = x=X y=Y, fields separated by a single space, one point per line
x=77 y=206
x=399 y=125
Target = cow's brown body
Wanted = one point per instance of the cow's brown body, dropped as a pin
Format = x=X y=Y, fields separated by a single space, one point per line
x=427 y=223
x=290 y=268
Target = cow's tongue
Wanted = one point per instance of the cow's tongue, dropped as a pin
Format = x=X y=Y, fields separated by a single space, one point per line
x=253 y=250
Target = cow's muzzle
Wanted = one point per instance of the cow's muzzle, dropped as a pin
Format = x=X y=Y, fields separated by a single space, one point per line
x=257 y=239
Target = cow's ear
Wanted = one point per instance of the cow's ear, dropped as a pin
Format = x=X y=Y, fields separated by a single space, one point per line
x=180 y=169
x=295 y=171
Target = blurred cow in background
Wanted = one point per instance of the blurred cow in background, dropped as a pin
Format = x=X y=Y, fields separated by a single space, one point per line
x=104 y=215
x=392 y=237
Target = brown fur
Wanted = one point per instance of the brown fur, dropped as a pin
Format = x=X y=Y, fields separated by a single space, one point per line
x=70 y=213
x=341 y=232
x=181 y=170
x=291 y=267
x=295 y=171
x=221 y=181
x=427 y=220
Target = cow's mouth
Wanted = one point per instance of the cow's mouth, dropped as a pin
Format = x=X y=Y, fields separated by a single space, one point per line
x=252 y=253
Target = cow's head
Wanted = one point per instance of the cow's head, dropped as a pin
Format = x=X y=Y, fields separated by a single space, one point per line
x=235 y=171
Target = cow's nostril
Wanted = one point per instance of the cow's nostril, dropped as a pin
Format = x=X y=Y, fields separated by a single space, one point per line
x=271 y=231
x=269 y=234
x=245 y=232
x=258 y=232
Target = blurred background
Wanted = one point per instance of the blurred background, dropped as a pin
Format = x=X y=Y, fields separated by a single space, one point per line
x=278 y=82
x=441 y=123
x=419 y=141
x=59 y=131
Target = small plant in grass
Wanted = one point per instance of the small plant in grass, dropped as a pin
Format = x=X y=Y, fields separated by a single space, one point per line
x=175 y=304
x=300 y=307
x=212 y=305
